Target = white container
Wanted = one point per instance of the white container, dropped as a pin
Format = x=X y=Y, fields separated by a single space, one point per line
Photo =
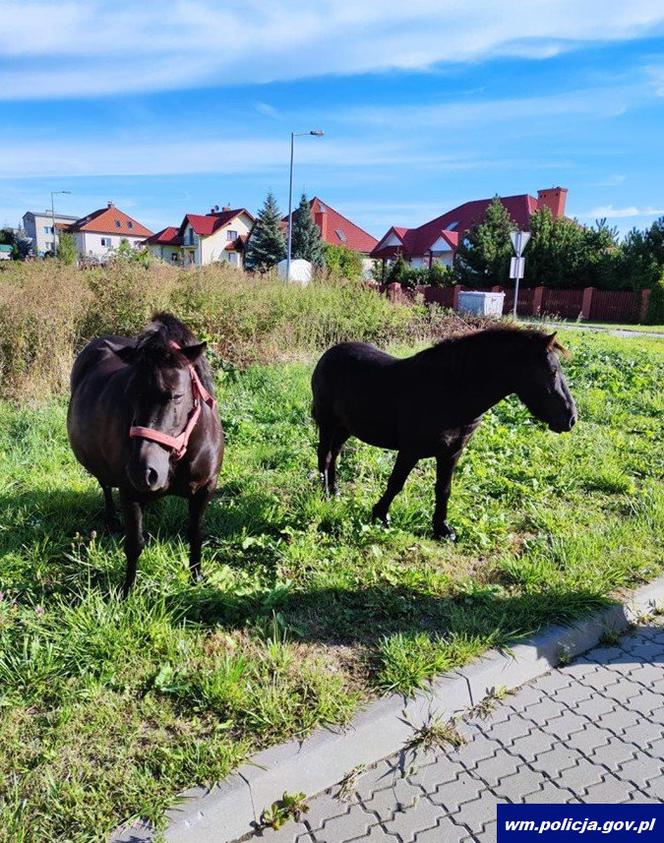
x=301 y=271
x=481 y=304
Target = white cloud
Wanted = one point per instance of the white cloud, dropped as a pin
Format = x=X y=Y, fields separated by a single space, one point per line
x=267 y=110
x=93 y=48
x=610 y=212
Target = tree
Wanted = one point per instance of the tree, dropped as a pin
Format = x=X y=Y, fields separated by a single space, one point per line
x=67 y=251
x=483 y=257
x=341 y=261
x=19 y=241
x=552 y=256
x=306 y=242
x=266 y=246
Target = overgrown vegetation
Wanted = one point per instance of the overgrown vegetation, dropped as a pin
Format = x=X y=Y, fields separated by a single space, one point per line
x=48 y=311
x=109 y=708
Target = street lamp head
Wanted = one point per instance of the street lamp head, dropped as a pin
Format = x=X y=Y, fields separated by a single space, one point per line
x=317 y=132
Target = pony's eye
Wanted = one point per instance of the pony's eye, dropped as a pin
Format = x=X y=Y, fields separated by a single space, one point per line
x=177 y=397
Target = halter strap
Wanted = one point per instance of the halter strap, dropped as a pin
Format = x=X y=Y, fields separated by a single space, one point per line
x=178 y=444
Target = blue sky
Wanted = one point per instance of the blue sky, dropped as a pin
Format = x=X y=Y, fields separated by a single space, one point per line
x=167 y=109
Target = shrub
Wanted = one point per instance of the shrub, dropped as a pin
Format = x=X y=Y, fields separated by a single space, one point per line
x=67 y=251
x=342 y=262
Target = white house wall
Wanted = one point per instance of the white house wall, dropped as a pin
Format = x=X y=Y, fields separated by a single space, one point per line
x=213 y=248
x=89 y=243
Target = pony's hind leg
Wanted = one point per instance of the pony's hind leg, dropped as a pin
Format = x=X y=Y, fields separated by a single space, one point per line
x=197 y=506
x=134 y=541
x=404 y=464
x=338 y=438
x=330 y=441
x=111 y=521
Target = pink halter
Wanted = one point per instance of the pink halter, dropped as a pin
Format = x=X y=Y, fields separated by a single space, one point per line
x=178 y=444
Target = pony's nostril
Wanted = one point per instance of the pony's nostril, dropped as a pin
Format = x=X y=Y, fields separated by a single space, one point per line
x=151 y=477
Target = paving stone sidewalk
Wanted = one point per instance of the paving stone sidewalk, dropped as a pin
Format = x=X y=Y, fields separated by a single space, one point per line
x=592 y=731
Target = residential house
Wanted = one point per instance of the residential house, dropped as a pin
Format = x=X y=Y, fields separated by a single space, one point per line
x=166 y=244
x=201 y=239
x=437 y=240
x=338 y=230
x=38 y=226
x=100 y=233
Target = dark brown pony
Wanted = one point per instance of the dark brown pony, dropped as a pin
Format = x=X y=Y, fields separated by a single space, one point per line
x=159 y=385
x=429 y=405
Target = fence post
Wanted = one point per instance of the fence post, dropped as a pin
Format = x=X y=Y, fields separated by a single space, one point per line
x=538 y=297
x=394 y=291
x=455 y=296
x=587 y=302
x=645 y=301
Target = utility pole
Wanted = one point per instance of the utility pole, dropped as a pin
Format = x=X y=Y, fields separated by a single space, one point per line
x=316 y=133
x=55 y=242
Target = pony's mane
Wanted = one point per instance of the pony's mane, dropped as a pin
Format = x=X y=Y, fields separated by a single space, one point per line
x=502 y=333
x=155 y=344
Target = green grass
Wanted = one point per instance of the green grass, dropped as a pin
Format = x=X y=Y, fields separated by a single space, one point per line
x=108 y=709
x=604 y=326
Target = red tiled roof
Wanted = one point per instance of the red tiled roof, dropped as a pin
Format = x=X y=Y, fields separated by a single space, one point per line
x=206 y=224
x=168 y=236
x=337 y=229
x=110 y=220
x=417 y=241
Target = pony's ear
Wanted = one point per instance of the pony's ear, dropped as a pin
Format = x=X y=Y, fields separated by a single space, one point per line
x=126 y=353
x=551 y=341
x=193 y=352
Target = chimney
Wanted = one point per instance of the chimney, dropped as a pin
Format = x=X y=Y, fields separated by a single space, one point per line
x=320 y=218
x=553 y=198
x=110 y=205
x=227 y=208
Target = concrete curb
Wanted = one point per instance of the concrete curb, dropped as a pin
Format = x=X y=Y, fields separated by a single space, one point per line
x=231 y=808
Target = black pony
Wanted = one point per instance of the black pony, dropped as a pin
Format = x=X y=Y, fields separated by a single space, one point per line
x=428 y=405
x=142 y=419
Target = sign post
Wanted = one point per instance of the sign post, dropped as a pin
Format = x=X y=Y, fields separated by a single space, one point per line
x=518 y=264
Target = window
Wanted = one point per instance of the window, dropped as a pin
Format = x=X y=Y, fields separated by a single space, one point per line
x=48 y=229
x=105 y=241
x=191 y=237
x=232 y=258
x=452 y=226
x=341 y=234
x=174 y=257
x=231 y=235
x=130 y=224
x=118 y=224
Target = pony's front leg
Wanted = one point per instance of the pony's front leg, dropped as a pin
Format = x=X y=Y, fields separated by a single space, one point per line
x=404 y=464
x=134 y=541
x=445 y=464
x=197 y=505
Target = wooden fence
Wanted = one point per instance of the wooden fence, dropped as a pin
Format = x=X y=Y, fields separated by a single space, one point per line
x=588 y=304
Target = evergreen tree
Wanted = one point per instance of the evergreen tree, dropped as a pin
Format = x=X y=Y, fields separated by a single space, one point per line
x=67 y=251
x=483 y=258
x=306 y=242
x=266 y=246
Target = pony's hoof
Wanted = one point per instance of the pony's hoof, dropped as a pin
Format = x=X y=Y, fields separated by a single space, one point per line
x=444 y=533
x=382 y=517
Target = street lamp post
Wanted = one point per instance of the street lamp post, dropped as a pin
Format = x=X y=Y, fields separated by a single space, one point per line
x=317 y=133
x=54 y=193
